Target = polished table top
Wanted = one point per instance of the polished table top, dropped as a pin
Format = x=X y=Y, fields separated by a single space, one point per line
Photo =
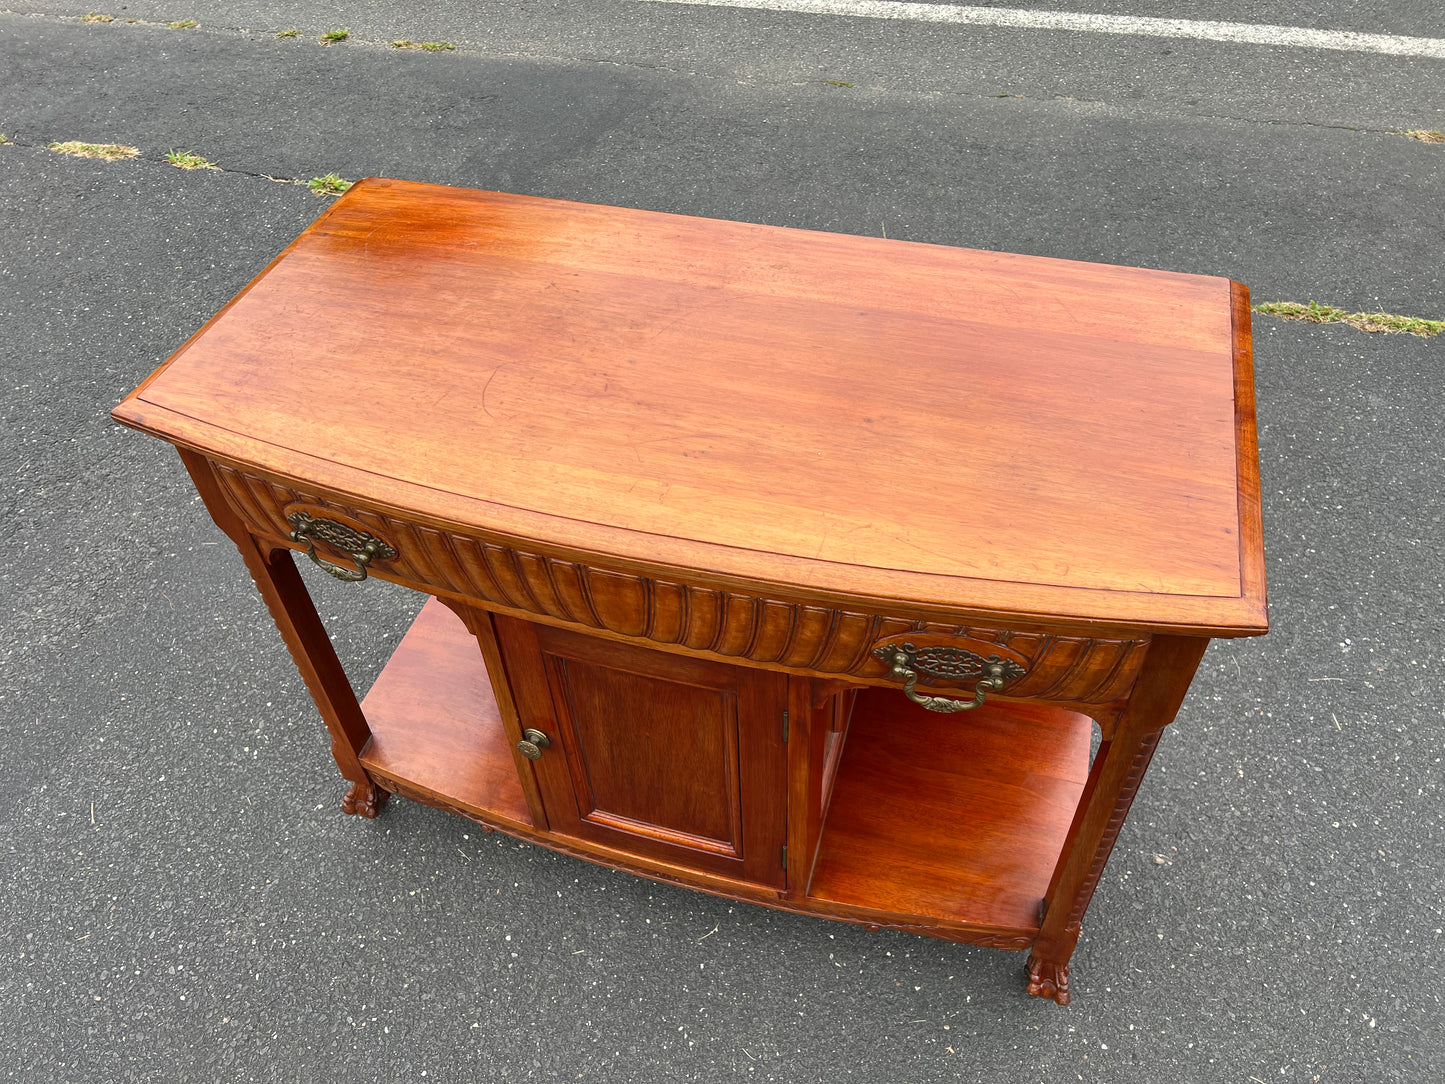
x=837 y=416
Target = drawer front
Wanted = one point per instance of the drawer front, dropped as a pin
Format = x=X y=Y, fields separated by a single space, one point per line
x=1021 y=665
x=803 y=637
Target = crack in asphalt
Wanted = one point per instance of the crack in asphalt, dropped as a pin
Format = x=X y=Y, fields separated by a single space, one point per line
x=149 y=160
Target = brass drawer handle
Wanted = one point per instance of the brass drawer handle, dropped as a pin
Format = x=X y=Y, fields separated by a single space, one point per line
x=906 y=662
x=361 y=547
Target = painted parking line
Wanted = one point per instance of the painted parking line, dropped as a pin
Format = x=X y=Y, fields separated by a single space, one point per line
x=1299 y=37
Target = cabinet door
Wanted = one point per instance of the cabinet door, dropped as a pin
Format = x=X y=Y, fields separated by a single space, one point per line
x=668 y=757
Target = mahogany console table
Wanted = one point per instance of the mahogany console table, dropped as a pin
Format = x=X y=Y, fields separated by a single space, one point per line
x=787 y=566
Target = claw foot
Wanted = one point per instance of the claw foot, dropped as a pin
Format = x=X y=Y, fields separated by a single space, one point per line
x=1049 y=980
x=364 y=799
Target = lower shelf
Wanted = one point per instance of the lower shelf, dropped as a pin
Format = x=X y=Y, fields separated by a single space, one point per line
x=948 y=824
x=949 y=817
x=435 y=725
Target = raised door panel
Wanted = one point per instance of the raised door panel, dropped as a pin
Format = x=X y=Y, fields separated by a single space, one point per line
x=637 y=768
x=672 y=758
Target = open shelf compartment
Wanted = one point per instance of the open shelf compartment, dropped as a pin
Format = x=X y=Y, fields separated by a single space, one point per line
x=948 y=821
x=436 y=727
x=951 y=819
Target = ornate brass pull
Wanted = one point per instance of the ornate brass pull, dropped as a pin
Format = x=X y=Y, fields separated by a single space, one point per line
x=906 y=662
x=944 y=703
x=361 y=547
x=532 y=744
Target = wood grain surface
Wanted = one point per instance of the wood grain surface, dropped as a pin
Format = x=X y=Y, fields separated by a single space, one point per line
x=676 y=758
x=435 y=722
x=685 y=613
x=942 y=816
x=844 y=415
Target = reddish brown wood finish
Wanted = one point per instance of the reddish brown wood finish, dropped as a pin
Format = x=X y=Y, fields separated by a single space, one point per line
x=1011 y=778
x=482 y=624
x=937 y=816
x=1246 y=443
x=1119 y=768
x=672 y=478
x=815 y=750
x=435 y=720
x=687 y=614
x=286 y=597
x=653 y=753
x=1030 y=436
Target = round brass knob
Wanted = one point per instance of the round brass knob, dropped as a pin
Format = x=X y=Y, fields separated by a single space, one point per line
x=532 y=744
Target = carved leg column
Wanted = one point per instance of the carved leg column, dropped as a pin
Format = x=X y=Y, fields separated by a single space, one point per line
x=291 y=608
x=1119 y=768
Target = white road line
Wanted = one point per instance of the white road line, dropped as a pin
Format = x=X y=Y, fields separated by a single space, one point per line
x=1248 y=33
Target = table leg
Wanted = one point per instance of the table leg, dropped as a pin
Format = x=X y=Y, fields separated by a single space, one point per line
x=1119 y=767
x=291 y=608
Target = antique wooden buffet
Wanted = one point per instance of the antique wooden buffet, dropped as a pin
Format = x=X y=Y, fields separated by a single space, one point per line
x=788 y=566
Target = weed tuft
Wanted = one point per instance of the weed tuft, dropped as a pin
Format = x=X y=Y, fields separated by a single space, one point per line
x=836 y=83
x=1385 y=322
x=182 y=24
x=96 y=17
x=288 y=33
x=329 y=185
x=5 y=139
x=188 y=160
x=331 y=37
x=428 y=46
x=1425 y=135
x=111 y=152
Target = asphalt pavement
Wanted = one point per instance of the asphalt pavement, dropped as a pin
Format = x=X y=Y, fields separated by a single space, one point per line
x=183 y=899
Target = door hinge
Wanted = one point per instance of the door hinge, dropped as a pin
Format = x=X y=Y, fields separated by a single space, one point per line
x=785 y=726
x=785 y=856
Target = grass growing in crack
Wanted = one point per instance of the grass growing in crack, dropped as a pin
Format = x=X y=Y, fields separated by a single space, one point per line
x=1365 y=321
x=182 y=24
x=288 y=33
x=96 y=17
x=331 y=37
x=111 y=152
x=329 y=185
x=5 y=139
x=836 y=83
x=188 y=160
x=1425 y=135
x=429 y=46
